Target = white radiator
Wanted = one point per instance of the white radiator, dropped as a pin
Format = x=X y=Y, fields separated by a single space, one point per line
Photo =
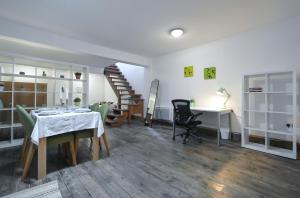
x=163 y=113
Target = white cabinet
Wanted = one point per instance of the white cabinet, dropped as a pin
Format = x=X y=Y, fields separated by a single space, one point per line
x=271 y=112
x=34 y=84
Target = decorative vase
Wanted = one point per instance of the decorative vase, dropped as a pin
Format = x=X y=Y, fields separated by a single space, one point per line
x=77 y=75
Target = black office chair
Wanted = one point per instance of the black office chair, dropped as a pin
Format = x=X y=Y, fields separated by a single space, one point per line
x=182 y=116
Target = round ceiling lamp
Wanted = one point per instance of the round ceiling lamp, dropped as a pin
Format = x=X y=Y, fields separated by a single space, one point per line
x=176 y=32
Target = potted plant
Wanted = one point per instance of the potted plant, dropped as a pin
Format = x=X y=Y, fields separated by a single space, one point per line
x=77 y=101
x=78 y=75
x=192 y=103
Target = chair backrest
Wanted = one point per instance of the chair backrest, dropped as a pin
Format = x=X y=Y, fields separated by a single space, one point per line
x=95 y=107
x=182 y=110
x=104 y=111
x=26 y=120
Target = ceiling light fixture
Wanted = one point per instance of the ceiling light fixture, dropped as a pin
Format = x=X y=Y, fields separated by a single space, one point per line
x=176 y=32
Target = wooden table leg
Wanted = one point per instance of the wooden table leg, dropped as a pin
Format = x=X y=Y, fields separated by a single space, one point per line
x=95 y=146
x=42 y=158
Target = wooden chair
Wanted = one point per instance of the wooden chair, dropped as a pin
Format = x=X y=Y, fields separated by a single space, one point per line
x=28 y=148
x=103 y=110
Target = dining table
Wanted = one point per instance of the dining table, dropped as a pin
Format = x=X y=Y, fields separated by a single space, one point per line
x=55 y=121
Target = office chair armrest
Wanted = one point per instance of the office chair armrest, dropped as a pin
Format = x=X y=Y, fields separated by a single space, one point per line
x=189 y=119
x=197 y=114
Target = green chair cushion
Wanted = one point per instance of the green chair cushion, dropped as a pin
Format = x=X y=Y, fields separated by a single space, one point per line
x=88 y=133
x=59 y=139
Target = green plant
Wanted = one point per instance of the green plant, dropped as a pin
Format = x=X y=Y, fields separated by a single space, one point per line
x=77 y=100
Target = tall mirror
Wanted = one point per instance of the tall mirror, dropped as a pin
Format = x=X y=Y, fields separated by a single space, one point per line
x=151 y=102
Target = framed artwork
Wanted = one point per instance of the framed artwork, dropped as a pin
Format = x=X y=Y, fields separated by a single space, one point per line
x=189 y=71
x=210 y=73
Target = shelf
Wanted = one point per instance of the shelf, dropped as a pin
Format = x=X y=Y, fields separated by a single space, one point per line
x=8 y=109
x=269 y=92
x=256 y=111
x=272 y=150
x=281 y=112
x=15 y=125
x=280 y=132
x=274 y=112
x=280 y=92
x=5 y=109
x=4 y=126
x=15 y=142
x=42 y=77
x=248 y=92
x=255 y=146
x=255 y=129
x=6 y=91
x=269 y=131
x=281 y=151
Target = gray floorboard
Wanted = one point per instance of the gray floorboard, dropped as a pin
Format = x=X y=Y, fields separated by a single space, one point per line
x=146 y=163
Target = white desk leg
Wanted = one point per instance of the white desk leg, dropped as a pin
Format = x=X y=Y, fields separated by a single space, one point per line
x=229 y=126
x=219 y=128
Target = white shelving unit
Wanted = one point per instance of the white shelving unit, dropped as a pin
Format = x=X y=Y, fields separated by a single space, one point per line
x=10 y=68
x=271 y=112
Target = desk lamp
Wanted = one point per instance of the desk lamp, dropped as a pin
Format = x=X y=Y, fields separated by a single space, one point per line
x=223 y=92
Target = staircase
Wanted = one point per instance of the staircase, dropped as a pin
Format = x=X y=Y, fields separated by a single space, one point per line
x=129 y=103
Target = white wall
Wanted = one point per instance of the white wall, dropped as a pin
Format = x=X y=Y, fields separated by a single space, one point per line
x=139 y=78
x=109 y=94
x=134 y=75
x=100 y=89
x=96 y=88
x=272 y=48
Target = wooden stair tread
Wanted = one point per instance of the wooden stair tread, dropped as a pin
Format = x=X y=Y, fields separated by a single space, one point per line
x=112 y=68
x=115 y=66
x=116 y=109
x=125 y=89
x=113 y=115
x=114 y=77
x=130 y=104
x=110 y=121
x=123 y=86
x=123 y=83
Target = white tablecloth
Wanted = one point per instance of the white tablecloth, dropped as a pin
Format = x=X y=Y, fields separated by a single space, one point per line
x=46 y=126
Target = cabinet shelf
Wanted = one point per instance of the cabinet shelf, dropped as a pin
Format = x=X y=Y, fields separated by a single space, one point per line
x=266 y=114
x=274 y=112
x=34 y=90
x=272 y=150
x=41 y=77
x=269 y=92
x=14 y=125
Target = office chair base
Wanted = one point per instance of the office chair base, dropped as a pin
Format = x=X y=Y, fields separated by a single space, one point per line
x=186 y=138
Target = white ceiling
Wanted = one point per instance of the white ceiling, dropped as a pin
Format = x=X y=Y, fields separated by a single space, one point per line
x=18 y=47
x=141 y=26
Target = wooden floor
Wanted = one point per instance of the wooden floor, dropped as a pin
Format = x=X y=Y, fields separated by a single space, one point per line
x=145 y=162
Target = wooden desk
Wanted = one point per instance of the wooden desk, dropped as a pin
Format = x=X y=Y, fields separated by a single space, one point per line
x=219 y=112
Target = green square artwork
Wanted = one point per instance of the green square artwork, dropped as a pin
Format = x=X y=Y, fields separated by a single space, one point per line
x=189 y=71
x=210 y=73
